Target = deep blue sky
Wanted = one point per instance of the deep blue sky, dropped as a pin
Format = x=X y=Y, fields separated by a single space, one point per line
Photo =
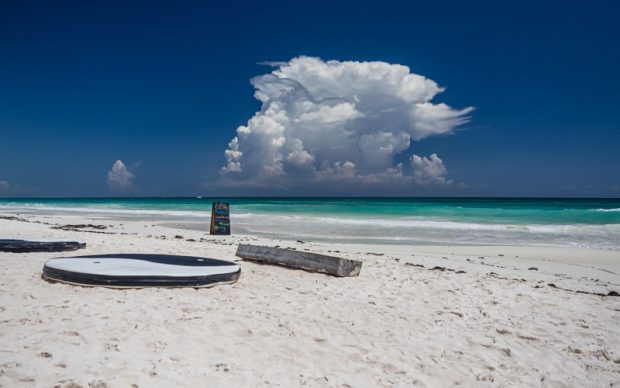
x=164 y=85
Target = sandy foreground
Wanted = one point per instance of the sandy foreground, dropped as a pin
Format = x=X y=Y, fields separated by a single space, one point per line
x=416 y=316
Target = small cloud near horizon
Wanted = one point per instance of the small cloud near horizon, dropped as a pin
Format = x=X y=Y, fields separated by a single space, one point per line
x=8 y=188
x=119 y=177
x=429 y=170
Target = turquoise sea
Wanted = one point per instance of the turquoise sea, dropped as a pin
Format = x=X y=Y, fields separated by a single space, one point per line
x=591 y=223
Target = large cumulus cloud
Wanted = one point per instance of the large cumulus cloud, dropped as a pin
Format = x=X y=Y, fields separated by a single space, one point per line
x=332 y=121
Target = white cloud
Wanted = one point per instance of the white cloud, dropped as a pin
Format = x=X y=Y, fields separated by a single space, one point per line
x=337 y=172
x=8 y=188
x=332 y=121
x=429 y=170
x=119 y=177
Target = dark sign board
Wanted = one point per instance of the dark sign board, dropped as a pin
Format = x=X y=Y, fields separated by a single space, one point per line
x=220 y=218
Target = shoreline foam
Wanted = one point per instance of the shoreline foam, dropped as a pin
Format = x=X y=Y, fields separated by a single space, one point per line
x=412 y=230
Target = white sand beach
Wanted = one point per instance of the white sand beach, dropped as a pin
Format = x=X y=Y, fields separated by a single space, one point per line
x=416 y=316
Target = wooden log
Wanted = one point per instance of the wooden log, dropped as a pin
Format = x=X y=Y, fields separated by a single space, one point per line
x=331 y=265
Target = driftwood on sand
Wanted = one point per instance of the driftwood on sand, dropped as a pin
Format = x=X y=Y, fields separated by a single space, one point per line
x=308 y=261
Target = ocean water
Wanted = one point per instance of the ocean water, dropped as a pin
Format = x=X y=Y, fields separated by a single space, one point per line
x=593 y=223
